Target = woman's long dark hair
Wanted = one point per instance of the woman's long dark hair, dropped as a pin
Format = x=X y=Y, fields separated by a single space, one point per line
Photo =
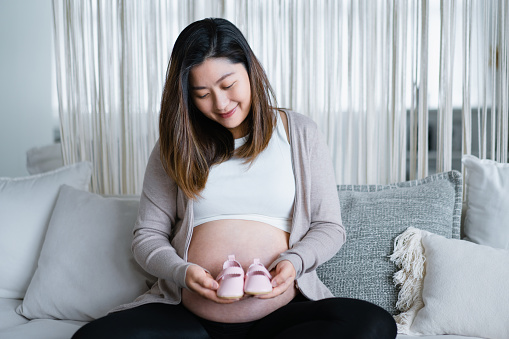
x=190 y=142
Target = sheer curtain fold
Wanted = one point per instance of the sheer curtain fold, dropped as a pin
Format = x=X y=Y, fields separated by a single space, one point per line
x=466 y=144
x=423 y=125
x=445 y=114
x=485 y=79
x=359 y=68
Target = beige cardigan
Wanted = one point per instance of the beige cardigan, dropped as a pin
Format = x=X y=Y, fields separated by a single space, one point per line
x=163 y=230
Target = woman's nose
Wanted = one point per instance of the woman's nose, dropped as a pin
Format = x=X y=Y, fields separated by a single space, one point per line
x=221 y=101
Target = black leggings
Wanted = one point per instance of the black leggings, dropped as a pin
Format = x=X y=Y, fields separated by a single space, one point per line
x=301 y=318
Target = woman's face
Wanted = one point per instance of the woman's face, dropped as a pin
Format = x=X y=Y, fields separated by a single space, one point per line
x=221 y=90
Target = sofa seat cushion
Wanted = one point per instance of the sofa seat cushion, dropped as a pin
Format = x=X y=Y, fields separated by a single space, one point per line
x=42 y=329
x=8 y=315
x=14 y=326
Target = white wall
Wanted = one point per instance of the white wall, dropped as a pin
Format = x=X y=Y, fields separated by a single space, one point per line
x=28 y=116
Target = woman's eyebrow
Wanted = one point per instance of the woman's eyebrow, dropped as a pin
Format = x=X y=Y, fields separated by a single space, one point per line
x=195 y=88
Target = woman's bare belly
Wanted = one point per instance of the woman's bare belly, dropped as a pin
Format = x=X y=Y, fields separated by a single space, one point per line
x=210 y=246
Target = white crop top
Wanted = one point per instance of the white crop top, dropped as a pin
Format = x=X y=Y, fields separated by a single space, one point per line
x=263 y=191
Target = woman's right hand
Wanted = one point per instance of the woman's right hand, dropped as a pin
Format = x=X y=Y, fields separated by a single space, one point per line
x=202 y=283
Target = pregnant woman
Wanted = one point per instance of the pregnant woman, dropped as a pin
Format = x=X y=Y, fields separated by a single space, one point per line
x=235 y=190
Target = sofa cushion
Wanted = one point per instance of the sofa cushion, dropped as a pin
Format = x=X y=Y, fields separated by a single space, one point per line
x=451 y=286
x=373 y=216
x=8 y=315
x=86 y=266
x=25 y=209
x=487 y=201
x=42 y=329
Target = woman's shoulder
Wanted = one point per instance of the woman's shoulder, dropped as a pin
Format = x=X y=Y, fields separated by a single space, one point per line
x=155 y=174
x=300 y=122
x=154 y=159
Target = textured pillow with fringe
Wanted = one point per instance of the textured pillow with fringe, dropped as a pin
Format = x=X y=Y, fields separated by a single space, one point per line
x=374 y=215
x=450 y=286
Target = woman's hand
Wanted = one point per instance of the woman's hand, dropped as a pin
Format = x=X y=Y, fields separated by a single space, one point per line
x=283 y=278
x=202 y=283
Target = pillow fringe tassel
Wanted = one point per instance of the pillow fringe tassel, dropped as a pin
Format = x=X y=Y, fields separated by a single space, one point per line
x=409 y=256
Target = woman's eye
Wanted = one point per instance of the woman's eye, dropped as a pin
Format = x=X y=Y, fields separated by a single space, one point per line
x=230 y=85
x=201 y=96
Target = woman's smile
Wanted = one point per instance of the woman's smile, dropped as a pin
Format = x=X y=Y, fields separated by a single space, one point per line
x=229 y=113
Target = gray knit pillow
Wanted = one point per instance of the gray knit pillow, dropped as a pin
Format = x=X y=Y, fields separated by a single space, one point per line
x=374 y=215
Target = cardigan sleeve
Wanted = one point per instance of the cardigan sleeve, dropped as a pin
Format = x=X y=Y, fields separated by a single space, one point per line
x=157 y=215
x=324 y=233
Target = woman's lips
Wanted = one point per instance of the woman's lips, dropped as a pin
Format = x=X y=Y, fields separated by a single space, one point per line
x=228 y=114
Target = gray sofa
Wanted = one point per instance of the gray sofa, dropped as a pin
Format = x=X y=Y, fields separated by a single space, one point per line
x=80 y=247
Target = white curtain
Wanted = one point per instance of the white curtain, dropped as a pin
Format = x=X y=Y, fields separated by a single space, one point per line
x=486 y=78
x=359 y=68
x=474 y=35
x=343 y=63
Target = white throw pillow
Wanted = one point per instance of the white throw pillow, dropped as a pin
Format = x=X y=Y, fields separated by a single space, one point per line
x=25 y=209
x=451 y=286
x=487 y=200
x=86 y=267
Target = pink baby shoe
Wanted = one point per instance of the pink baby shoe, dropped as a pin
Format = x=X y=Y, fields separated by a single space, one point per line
x=257 y=279
x=231 y=280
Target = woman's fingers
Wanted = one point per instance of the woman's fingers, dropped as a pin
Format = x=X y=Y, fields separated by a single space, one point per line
x=278 y=290
x=211 y=295
x=209 y=282
x=201 y=282
x=283 y=279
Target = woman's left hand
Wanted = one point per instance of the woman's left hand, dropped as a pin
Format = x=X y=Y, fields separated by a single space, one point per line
x=283 y=278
